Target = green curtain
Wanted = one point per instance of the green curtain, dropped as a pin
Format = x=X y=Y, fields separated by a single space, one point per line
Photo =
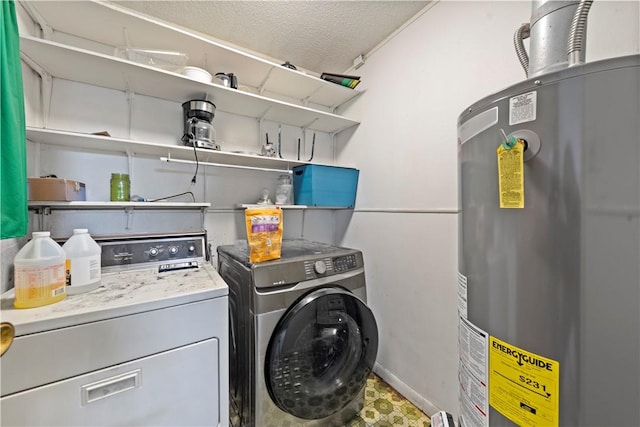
x=13 y=145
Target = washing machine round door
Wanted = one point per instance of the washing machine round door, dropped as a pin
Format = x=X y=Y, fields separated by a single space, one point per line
x=321 y=353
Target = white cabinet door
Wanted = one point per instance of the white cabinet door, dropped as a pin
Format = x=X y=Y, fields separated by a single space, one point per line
x=178 y=387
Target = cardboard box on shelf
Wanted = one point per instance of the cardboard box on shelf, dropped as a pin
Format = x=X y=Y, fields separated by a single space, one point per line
x=55 y=189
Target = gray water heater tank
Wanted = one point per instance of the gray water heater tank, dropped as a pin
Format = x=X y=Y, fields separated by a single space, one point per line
x=549 y=294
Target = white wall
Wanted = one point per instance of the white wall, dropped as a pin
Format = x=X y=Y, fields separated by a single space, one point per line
x=405 y=219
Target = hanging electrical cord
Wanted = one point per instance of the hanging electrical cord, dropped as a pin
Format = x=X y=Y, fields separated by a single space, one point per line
x=522 y=33
x=173 y=196
x=279 y=141
x=188 y=137
x=195 y=174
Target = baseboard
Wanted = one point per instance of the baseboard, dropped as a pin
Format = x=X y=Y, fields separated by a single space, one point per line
x=410 y=394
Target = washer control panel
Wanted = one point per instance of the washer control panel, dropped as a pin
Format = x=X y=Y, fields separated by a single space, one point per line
x=300 y=261
x=329 y=266
x=344 y=263
x=317 y=268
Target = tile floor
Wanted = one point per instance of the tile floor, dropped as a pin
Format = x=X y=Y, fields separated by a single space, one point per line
x=385 y=407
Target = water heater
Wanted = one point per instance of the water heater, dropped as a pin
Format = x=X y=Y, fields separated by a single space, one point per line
x=549 y=251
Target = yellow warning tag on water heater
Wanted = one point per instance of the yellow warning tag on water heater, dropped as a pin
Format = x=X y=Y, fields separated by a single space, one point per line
x=523 y=386
x=511 y=175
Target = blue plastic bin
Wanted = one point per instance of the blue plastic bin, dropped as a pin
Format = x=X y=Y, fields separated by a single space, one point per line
x=316 y=185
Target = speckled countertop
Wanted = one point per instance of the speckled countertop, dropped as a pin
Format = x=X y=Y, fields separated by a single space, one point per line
x=119 y=294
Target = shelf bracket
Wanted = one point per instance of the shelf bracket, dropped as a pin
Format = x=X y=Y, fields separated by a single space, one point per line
x=43 y=210
x=264 y=114
x=45 y=89
x=342 y=128
x=43 y=214
x=306 y=99
x=310 y=123
x=203 y=214
x=125 y=36
x=264 y=82
x=205 y=61
x=355 y=95
x=47 y=31
x=130 y=99
x=129 y=212
x=130 y=155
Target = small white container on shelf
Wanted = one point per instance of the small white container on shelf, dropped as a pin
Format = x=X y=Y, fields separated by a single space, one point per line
x=284 y=190
x=83 y=262
x=198 y=74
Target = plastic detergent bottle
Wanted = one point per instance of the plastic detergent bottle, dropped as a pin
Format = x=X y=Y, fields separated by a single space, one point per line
x=83 y=262
x=39 y=272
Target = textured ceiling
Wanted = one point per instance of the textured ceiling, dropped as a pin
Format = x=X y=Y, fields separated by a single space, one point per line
x=315 y=35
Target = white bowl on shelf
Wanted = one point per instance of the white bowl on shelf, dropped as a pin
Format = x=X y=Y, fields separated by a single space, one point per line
x=196 y=73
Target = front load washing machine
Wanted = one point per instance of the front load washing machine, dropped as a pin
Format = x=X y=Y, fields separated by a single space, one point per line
x=302 y=339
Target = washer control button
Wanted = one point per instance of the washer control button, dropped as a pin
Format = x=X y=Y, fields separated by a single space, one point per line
x=320 y=267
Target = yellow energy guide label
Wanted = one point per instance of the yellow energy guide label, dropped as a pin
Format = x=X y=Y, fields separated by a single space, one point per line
x=523 y=386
